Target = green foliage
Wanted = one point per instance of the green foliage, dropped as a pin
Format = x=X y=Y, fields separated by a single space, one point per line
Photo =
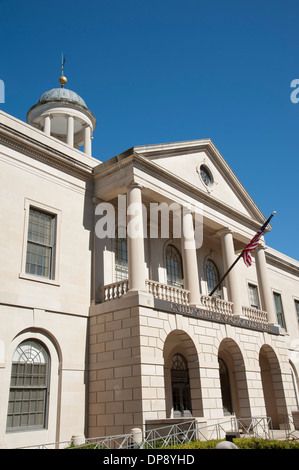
x=253 y=443
x=197 y=445
x=241 y=443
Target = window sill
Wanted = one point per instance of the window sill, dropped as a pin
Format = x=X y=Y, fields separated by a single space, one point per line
x=43 y=280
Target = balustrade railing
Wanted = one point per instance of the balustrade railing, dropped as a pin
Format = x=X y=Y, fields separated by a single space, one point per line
x=114 y=290
x=255 y=314
x=166 y=292
x=181 y=296
x=216 y=304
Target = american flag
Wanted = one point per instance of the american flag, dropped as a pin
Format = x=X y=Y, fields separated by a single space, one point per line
x=246 y=253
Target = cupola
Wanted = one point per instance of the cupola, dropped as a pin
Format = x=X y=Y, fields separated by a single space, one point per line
x=63 y=114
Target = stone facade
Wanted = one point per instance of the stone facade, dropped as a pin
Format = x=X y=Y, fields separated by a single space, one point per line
x=123 y=344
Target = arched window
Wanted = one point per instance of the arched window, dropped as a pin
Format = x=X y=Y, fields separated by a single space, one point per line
x=225 y=388
x=121 y=258
x=181 y=398
x=212 y=276
x=28 y=396
x=174 y=267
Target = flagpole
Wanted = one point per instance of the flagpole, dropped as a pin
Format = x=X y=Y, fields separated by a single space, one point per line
x=236 y=260
x=227 y=272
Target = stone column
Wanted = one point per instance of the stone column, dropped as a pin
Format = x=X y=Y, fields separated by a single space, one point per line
x=70 y=131
x=190 y=259
x=87 y=140
x=264 y=285
x=47 y=125
x=135 y=239
x=229 y=257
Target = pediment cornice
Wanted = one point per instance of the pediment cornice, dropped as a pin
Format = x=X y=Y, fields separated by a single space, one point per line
x=133 y=158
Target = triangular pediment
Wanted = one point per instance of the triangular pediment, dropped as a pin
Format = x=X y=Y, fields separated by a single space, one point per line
x=186 y=160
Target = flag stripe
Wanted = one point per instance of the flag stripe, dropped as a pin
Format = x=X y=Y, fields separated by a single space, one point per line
x=246 y=253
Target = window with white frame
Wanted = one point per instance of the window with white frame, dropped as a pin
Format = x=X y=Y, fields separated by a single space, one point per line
x=297 y=308
x=28 y=395
x=253 y=296
x=279 y=310
x=41 y=237
x=174 y=268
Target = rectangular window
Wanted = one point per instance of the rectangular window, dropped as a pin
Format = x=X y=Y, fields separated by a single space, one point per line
x=279 y=310
x=297 y=308
x=41 y=244
x=253 y=296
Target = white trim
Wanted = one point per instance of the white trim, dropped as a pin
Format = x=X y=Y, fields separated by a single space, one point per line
x=55 y=280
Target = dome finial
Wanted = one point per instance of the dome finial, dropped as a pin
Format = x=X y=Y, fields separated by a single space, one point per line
x=62 y=78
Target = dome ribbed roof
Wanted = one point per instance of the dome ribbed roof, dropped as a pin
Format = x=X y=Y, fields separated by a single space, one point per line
x=63 y=94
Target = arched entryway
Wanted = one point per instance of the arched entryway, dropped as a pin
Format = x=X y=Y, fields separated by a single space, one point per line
x=182 y=377
x=274 y=396
x=234 y=391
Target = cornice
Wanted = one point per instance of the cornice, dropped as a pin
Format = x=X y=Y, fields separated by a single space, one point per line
x=207 y=145
x=286 y=265
x=46 y=154
x=134 y=159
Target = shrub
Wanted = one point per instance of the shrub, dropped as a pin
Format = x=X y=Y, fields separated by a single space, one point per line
x=241 y=443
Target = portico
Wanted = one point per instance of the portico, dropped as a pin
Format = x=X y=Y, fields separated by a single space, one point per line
x=197 y=232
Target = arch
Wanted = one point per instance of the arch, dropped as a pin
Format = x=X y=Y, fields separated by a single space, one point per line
x=233 y=381
x=181 y=362
x=40 y=334
x=174 y=266
x=51 y=345
x=273 y=390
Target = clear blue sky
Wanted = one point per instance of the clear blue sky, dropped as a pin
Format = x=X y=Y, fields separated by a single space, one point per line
x=157 y=71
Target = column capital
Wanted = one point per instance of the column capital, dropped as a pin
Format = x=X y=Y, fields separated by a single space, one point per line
x=225 y=231
x=134 y=185
x=261 y=246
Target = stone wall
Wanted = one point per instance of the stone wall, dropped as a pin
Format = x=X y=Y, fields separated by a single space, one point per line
x=131 y=346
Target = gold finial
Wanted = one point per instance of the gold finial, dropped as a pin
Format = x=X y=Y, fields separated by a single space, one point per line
x=62 y=81
x=62 y=78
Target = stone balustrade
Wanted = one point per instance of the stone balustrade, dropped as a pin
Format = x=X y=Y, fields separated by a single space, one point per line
x=181 y=296
x=166 y=292
x=114 y=290
x=255 y=314
x=216 y=304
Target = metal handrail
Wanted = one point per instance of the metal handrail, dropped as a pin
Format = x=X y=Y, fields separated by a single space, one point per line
x=178 y=433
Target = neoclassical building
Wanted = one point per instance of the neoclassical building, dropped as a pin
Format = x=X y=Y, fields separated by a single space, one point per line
x=107 y=322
